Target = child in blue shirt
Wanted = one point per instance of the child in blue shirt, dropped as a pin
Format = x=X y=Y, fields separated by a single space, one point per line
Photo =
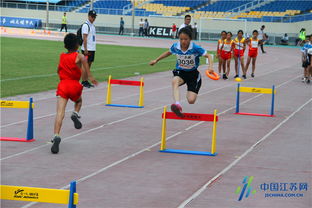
x=188 y=54
x=307 y=60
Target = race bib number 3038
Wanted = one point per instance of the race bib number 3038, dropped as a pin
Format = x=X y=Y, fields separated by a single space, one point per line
x=186 y=61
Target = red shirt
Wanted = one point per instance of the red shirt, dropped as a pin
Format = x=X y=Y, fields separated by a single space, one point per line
x=67 y=68
x=174 y=28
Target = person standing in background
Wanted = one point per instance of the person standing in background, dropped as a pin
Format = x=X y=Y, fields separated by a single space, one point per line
x=141 y=24
x=284 y=40
x=64 y=22
x=174 y=31
x=187 y=22
x=122 y=26
x=145 y=27
x=89 y=43
x=262 y=37
x=302 y=37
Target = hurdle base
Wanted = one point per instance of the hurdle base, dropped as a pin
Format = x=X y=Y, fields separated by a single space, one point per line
x=12 y=139
x=124 y=106
x=255 y=114
x=188 y=152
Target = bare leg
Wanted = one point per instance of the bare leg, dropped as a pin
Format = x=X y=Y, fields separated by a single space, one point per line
x=236 y=65
x=191 y=97
x=176 y=82
x=242 y=64
x=220 y=64
x=247 y=65
x=254 y=64
x=78 y=105
x=228 y=64
x=223 y=65
x=60 y=112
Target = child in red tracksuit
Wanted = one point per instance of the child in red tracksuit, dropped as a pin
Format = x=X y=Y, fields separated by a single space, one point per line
x=253 y=44
x=71 y=67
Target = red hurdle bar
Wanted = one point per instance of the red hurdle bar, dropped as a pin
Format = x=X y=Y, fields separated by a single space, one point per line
x=126 y=82
x=190 y=116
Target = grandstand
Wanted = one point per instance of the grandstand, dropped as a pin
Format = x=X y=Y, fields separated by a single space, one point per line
x=252 y=10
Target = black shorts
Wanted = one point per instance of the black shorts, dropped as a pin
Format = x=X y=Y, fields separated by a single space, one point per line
x=307 y=62
x=191 y=78
x=91 y=55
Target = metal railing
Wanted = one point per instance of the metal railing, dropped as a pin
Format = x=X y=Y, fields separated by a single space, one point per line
x=283 y=19
x=108 y=11
x=245 y=6
x=34 y=6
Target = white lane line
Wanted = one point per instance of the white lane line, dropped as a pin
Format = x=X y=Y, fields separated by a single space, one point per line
x=199 y=191
x=133 y=116
x=121 y=98
x=98 y=127
x=153 y=145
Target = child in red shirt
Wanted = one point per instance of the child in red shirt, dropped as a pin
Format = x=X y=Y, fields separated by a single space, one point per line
x=71 y=67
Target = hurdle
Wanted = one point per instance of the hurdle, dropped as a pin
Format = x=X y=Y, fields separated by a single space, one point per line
x=259 y=91
x=45 y=195
x=124 y=82
x=193 y=117
x=30 y=126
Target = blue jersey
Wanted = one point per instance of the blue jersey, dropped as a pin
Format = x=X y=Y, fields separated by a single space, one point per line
x=306 y=47
x=187 y=60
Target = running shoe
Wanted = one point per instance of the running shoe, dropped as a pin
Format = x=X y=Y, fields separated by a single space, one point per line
x=244 y=76
x=252 y=75
x=236 y=76
x=308 y=81
x=75 y=118
x=55 y=144
x=303 y=79
x=177 y=109
x=87 y=84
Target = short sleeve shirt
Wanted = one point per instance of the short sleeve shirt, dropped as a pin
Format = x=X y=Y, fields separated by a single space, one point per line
x=306 y=47
x=91 y=40
x=187 y=60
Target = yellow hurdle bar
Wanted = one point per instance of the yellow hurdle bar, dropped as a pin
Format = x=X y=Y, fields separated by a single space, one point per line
x=256 y=90
x=141 y=100
x=20 y=193
x=109 y=89
x=163 y=131
x=214 y=133
x=15 y=104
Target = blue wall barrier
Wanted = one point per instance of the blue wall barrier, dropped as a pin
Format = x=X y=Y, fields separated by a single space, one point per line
x=20 y=22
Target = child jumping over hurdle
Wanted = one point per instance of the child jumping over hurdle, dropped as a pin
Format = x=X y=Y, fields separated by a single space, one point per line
x=71 y=67
x=253 y=44
x=186 y=72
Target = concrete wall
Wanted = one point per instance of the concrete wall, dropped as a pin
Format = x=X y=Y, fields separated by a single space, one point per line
x=113 y=21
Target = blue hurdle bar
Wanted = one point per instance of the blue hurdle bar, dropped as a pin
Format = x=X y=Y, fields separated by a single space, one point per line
x=125 y=106
x=188 y=152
